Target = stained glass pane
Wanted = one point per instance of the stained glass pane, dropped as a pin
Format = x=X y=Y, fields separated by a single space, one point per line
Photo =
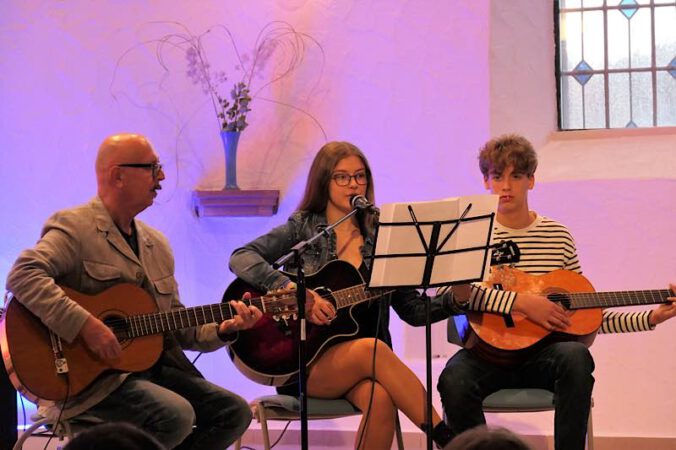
x=571 y=103
x=618 y=92
x=638 y=2
x=666 y=99
x=595 y=103
x=570 y=3
x=618 y=40
x=665 y=35
x=593 y=51
x=628 y=8
x=641 y=39
x=592 y=3
x=571 y=40
x=642 y=99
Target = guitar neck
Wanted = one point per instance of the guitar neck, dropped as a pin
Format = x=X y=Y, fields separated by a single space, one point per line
x=611 y=299
x=357 y=294
x=177 y=319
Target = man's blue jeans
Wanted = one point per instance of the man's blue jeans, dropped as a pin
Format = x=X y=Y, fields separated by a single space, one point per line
x=168 y=402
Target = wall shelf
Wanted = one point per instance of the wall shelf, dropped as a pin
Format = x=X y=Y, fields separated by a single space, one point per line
x=235 y=203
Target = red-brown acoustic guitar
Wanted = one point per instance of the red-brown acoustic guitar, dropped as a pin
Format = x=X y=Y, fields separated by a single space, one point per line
x=41 y=366
x=511 y=339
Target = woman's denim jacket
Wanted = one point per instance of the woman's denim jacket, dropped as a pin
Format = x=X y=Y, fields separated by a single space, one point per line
x=252 y=263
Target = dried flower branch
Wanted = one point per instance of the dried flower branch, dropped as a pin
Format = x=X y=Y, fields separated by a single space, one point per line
x=278 y=51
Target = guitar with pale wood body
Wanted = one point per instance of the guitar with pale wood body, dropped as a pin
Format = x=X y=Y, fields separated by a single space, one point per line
x=511 y=339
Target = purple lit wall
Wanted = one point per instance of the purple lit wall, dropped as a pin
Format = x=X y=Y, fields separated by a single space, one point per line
x=419 y=86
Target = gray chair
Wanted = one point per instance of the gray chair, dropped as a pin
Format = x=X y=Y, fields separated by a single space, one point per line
x=514 y=400
x=286 y=407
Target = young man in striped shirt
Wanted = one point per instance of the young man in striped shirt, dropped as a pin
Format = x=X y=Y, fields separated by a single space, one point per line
x=508 y=165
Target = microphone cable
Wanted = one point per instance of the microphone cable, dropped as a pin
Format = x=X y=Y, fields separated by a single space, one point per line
x=373 y=375
x=56 y=424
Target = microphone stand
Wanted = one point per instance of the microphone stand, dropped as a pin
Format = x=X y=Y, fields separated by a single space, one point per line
x=296 y=253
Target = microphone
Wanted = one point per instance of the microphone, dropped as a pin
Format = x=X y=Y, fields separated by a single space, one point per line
x=361 y=202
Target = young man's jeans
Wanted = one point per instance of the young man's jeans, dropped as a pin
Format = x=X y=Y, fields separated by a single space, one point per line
x=564 y=368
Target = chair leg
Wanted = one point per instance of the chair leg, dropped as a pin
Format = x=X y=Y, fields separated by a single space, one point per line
x=262 y=419
x=590 y=432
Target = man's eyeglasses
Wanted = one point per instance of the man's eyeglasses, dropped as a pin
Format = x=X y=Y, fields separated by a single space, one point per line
x=155 y=167
x=343 y=179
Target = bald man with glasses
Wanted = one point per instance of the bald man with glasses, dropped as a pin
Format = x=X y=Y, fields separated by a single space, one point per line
x=100 y=244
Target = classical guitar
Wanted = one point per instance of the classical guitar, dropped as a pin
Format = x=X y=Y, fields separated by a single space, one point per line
x=41 y=366
x=511 y=339
x=268 y=352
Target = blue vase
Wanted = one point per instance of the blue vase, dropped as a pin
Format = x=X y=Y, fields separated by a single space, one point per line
x=230 y=140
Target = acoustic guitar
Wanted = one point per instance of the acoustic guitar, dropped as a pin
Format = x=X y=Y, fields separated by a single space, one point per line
x=42 y=366
x=512 y=339
x=267 y=353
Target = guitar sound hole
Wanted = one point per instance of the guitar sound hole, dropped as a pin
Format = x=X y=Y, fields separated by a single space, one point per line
x=118 y=326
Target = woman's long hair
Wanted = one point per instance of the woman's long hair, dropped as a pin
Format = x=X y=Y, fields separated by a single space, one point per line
x=316 y=195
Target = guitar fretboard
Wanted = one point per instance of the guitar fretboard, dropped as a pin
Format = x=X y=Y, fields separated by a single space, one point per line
x=611 y=299
x=356 y=294
x=177 y=319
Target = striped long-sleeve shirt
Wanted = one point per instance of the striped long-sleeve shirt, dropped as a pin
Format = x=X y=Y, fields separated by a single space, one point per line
x=547 y=245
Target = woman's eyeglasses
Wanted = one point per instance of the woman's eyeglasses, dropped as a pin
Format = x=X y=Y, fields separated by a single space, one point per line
x=343 y=179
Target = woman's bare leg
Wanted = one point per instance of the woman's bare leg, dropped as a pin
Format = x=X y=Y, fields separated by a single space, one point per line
x=378 y=418
x=343 y=366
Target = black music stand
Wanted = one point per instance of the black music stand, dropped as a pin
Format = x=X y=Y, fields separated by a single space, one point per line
x=433 y=244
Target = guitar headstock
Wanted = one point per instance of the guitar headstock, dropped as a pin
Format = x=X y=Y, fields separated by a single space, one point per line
x=281 y=304
x=505 y=252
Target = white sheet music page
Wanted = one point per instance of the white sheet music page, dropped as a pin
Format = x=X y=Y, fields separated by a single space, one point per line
x=400 y=256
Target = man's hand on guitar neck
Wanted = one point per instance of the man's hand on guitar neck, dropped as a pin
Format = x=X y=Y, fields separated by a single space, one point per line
x=100 y=339
x=246 y=316
x=665 y=311
x=549 y=315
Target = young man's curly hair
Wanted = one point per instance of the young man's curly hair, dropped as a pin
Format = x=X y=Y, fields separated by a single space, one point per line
x=497 y=154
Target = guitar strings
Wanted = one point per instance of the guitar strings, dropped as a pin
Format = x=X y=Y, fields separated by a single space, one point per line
x=582 y=300
x=152 y=322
